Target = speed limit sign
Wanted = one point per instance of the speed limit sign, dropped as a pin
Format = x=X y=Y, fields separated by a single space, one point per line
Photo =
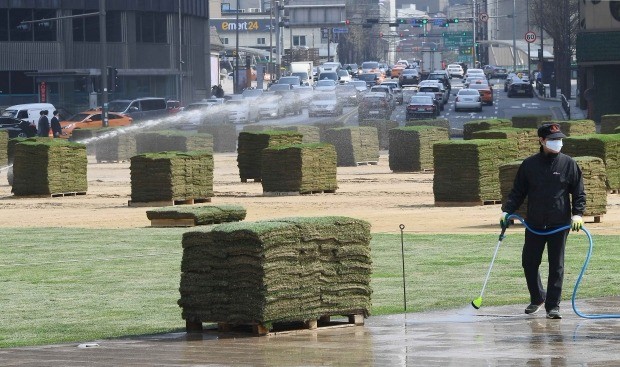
x=530 y=37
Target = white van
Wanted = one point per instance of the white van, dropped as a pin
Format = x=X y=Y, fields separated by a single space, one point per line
x=29 y=112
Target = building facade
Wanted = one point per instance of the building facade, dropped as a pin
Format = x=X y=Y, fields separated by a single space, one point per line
x=156 y=47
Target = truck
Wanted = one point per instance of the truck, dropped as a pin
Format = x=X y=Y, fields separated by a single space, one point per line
x=302 y=69
x=431 y=60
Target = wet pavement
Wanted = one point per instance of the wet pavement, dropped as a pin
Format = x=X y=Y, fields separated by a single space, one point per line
x=491 y=336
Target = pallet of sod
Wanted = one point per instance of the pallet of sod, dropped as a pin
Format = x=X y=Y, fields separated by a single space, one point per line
x=604 y=146
x=411 y=147
x=300 y=168
x=224 y=137
x=530 y=121
x=383 y=130
x=195 y=215
x=173 y=141
x=354 y=144
x=526 y=139
x=171 y=176
x=610 y=124
x=114 y=144
x=251 y=145
x=282 y=270
x=4 y=148
x=84 y=136
x=43 y=166
x=595 y=185
x=476 y=125
x=577 y=127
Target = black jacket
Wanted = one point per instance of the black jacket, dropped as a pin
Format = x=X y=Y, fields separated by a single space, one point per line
x=43 y=128
x=549 y=181
x=55 y=125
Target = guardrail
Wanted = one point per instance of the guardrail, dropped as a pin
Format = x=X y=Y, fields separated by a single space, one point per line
x=565 y=105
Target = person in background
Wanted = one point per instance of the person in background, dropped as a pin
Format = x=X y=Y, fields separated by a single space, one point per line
x=553 y=184
x=55 y=125
x=43 y=126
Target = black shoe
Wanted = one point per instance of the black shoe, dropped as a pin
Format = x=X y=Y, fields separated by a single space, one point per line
x=533 y=308
x=554 y=313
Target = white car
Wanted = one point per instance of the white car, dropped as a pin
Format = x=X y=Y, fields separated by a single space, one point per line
x=344 y=76
x=240 y=111
x=325 y=85
x=325 y=103
x=475 y=72
x=455 y=70
x=270 y=105
x=468 y=99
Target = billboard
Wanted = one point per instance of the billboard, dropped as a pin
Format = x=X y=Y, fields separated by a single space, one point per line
x=244 y=25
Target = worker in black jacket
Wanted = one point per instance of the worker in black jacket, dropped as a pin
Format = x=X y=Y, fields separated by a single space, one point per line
x=549 y=179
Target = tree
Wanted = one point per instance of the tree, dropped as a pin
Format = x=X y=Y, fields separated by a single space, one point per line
x=560 y=20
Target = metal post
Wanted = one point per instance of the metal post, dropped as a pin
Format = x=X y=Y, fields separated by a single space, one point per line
x=329 y=39
x=236 y=73
x=278 y=41
x=104 y=66
x=208 y=80
x=514 y=36
x=180 y=91
x=475 y=23
x=527 y=20
x=271 y=71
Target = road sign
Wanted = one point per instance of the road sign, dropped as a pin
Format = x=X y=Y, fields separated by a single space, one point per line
x=340 y=30
x=483 y=17
x=530 y=37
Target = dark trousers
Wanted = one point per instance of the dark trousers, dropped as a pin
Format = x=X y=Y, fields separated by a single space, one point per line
x=530 y=259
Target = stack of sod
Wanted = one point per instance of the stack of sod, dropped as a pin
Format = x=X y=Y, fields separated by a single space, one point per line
x=526 y=139
x=594 y=182
x=468 y=170
x=577 y=127
x=10 y=152
x=4 y=148
x=354 y=144
x=324 y=126
x=114 y=145
x=507 y=174
x=530 y=121
x=310 y=134
x=201 y=214
x=383 y=130
x=617 y=130
x=173 y=141
x=411 y=147
x=224 y=137
x=302 y=168
x=81 y=135
x=49 y=166
x=257 y=127
x=610 y=124
x=438 y=122
x=251 y=145
x=290 y=269
x=476 y=125
x=604 y=146
x=170 y=176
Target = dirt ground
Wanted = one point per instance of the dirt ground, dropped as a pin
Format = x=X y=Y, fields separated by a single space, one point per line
x=371 y=192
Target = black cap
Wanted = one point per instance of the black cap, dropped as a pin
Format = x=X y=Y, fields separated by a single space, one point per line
x=550 y=131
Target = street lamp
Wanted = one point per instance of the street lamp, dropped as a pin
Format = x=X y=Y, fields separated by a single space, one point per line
x=514 y=36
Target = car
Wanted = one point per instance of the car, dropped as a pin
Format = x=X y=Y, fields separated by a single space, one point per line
x=409 y=77
x=360 y=85
x=329 y=66
x=455 y=70
x=270 y=106
x=173 y=106
x=396 y=70
x=290 y=80
x=325 y=85
x=388 y=91
x=240 y=111
x=396 y=90
x=492 y=71
x=520 y=88
x=421 y=107
x=436 y=88
x=441 y=76
x=403 y=62
x=303 y=76
x=209 y=111
x=353 y=69
x=374 y=105
x=370 y=67
x=291 y=102
x=29 y=112
x=468 y=99
x=486 y=92
x=305 y=94
x=329 y=75
x=251 y=93
x=283 y=86
x=325 y=103
x=472 y=79
x=348 y=94
x=371 y=79
x=437 y=100
x=17 y=128
x=344 y=76
x=140 y=108
x=91 y=119
x=475 y=72
x=513 y=77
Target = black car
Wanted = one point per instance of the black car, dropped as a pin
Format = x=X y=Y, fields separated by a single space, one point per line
x=520 y=89
x=442 y=78
x=17 y=128
x=409 y=77
x=436 y=99
x=370 y=78
x=421 y=106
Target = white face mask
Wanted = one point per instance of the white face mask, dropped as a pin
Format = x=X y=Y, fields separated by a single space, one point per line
x=554 y=145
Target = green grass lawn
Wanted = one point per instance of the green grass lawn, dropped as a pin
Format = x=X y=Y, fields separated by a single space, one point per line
x=70 y=285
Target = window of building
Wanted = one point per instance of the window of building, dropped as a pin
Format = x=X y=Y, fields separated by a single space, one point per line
x=224 y=41
x=114 y=29
x=260 y=41
x=19 y=31
x=44 y=31
x=299 y=40
x=5 y=86
x=4 y=21
x=151 y=27
x=87 y=29
x=22 y=83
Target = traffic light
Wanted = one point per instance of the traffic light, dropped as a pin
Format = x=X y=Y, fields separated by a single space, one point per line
x=446 y=23
x=347 y=22
x=424 y=21
x=454 y=20
x=380 y=34
x=401 y=34
x=402 y=21
x=112 y=78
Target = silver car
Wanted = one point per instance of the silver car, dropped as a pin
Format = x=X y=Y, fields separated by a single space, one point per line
x=325 y=103
x=468 y=99
x=240 y=111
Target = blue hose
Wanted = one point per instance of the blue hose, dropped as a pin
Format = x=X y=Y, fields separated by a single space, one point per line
x=583 y=268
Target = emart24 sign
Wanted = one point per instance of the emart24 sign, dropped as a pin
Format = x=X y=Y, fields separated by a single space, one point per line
x=246 y=25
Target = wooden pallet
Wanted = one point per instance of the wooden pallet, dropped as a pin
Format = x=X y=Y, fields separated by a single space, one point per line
x=365 y=163
x=467 y=203
x=613 y=191
x=255 y=179
x=278 y=328
x=112 y=161
x=139 y=204
x=71 y=193
x=179 y=222
x=297 y=193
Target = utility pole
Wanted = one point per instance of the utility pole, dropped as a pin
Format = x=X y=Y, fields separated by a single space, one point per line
x=180 y=92
x=236 y=73
x=514 y=36
x=529 y=59
x=475 y=23
x=104 y=66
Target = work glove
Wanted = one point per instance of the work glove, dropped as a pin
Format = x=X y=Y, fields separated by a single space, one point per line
x=503 y=220
x=576 y=223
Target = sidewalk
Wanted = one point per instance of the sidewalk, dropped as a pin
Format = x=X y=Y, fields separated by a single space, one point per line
x=576 y=113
